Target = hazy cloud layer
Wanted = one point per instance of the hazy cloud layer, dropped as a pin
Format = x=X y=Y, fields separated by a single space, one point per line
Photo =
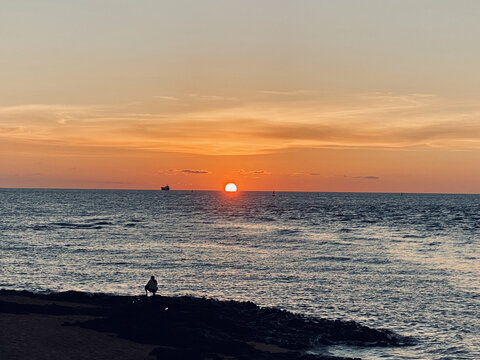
x=255 y=125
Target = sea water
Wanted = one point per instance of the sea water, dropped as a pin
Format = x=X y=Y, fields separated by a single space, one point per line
x=409 y=263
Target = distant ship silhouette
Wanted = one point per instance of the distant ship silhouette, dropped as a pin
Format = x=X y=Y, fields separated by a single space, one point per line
x=166 y=187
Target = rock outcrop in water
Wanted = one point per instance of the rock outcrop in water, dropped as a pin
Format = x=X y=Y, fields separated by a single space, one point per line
x=197 y=328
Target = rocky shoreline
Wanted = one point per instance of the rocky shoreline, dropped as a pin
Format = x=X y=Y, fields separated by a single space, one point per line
x=193 y=328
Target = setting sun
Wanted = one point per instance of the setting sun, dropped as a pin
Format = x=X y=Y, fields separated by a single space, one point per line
x=230 y=187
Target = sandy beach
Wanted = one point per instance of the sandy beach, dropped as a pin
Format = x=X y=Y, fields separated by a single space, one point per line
x=77 y=325
x=42 y=335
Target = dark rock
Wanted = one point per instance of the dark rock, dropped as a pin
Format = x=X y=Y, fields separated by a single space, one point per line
x=197 y=328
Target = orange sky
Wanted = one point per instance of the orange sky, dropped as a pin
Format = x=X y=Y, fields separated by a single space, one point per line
x=321 y=96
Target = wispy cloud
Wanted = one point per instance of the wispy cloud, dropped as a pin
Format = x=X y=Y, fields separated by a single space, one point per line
x=163 y=97
x=188 y=171
x=214 y=97
x=252 y=172
x=366 y=177
x=11 y=129
x=287 y=93
x=185 y=171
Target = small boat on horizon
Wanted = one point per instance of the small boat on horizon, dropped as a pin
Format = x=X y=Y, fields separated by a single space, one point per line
x=165 y=188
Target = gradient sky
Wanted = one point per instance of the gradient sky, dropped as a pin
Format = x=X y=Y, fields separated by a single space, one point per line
x=317 y=95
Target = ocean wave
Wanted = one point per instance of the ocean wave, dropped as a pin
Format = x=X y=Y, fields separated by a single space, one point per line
x=91 y=225
x=71 y=225
x=288 y=231
x=411 y=236
x=332 y=258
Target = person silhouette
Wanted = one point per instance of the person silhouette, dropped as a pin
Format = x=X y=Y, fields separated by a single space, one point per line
x=151 y=286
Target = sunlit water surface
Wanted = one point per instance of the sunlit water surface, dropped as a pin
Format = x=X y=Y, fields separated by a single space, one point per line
x=408 y=263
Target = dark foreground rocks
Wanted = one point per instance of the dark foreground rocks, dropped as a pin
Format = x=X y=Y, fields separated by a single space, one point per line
x=196 y=328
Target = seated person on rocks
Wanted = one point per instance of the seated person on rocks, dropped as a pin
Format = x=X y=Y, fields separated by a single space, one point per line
x=151 y=286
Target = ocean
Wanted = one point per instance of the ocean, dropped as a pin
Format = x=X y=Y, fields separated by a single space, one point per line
x=409 y=263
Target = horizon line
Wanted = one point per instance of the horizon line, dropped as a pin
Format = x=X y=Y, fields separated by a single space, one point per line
x=239 y=191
